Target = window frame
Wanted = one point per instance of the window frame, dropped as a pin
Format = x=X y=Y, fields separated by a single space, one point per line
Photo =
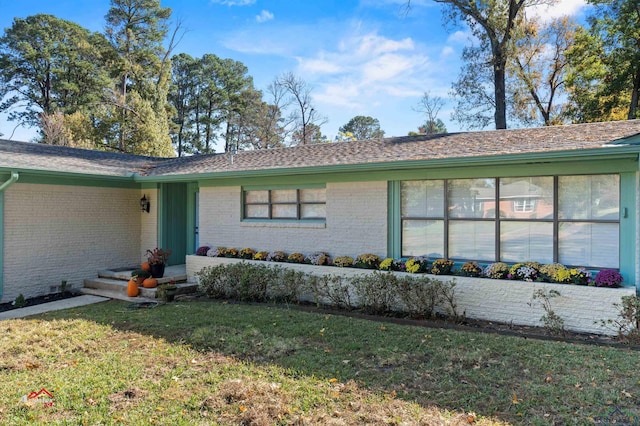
x=270 y=204
x=554 y=219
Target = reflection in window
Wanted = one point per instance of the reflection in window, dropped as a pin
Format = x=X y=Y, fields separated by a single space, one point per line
x=581 y=230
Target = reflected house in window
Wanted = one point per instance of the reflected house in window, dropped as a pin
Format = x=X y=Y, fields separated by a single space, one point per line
x=519 y=199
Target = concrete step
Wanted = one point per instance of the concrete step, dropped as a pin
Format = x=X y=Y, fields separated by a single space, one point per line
x=174 y=273
x=119 y=287
x=117 y=295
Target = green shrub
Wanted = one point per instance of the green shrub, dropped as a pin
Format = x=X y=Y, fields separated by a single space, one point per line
x=628 y=322
x=240 y=281
x=332 y=288
x=288 y=285
x=376 y=293
x=140 y=273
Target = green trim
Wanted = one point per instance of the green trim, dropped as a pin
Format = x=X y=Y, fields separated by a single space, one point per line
x=161 y=214
x=192 y=189
x=394 y=226
x=628 y=249
x=283 y=186
x=504 y=170
x=600 y=154
x=12 y=179
x=78 y=179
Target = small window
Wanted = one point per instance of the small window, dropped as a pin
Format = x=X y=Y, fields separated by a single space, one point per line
x=285 y=204
x=524 y=205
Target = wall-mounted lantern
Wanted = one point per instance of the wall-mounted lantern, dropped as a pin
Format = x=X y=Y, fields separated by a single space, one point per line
x=145 y=204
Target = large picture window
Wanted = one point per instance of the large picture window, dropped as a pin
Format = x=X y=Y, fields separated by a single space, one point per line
x=574 y=220
x=285 y=204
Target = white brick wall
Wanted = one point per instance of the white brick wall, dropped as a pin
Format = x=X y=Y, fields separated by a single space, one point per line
x=356 y=222
x=149 y=224
x=503 y=301
x=54 y=233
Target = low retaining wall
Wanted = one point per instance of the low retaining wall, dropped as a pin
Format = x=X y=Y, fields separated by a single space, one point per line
x=582 y=308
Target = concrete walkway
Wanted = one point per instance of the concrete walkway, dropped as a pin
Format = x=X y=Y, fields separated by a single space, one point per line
x=72 y=302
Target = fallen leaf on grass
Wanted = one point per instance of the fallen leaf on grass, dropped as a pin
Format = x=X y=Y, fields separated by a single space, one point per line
x=627 y=394
x=514 y=399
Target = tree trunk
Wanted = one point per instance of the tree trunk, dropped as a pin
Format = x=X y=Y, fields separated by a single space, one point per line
x=499 y=66
x=635 y=96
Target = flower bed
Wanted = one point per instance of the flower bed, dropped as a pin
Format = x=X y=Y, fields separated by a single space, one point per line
x=581 y=307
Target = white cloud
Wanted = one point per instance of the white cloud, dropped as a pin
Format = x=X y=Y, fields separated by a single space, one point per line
x=556 y=10
x=264 y=16
x=233 y=2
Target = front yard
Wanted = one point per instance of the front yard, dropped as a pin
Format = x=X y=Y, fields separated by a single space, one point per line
x=211 y=362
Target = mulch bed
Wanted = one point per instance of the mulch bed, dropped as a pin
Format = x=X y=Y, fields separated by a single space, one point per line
x=38 y=300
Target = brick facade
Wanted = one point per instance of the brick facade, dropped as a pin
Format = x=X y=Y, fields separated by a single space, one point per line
x=356 y=222
x=54 y=233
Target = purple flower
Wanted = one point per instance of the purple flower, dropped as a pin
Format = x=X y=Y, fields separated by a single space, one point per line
x=608 y=278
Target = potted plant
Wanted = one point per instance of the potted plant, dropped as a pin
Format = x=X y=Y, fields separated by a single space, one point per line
x=167 y=292
x=157 y=259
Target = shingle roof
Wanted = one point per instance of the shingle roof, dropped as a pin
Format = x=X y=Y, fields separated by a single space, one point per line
x=422 y=147
x=34 y=156
x=22 y=155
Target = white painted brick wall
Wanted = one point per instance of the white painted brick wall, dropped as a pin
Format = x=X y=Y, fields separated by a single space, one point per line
x=582 y=308
x=356 y=222
x=55 y=233
x=149 y=224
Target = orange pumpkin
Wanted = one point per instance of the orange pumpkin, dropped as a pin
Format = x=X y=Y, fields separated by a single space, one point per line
x=146 y=266
x=132 y=288
x=150 y=283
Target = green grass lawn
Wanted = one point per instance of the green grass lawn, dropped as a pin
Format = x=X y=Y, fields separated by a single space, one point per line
x=216 y=363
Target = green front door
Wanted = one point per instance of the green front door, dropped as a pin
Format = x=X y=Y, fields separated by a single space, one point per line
x=173 y=221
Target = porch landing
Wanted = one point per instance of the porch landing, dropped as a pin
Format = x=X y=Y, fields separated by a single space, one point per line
x=112 y=283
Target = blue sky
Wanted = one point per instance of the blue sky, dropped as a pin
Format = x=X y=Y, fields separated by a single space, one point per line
x=362 y=57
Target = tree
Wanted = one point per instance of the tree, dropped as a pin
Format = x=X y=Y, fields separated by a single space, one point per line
x=363 y=127
x=313 y=135
x=604 y=79
x=430 y=106
x=49 y=67
x=306 y=119
x=433 y=127
x=538 y=69
x=136 y=30
x=493 y=23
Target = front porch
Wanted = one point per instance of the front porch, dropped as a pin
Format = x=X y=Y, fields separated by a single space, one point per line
x=112 y=283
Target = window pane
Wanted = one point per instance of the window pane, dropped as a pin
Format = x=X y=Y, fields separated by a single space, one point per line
x=589 y=244
x=284 y=196
x=257 y=211
x=315 y=195
x=526 y=198
x=313 y=211
x=472 y=198
x=472 y=240
x=422 y=198
x=423 y=237
x=526 y=241
x=282 y=211
x=256 y=196
x=589 y=197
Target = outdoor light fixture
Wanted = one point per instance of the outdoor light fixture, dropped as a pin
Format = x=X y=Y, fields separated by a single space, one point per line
x=144 y=204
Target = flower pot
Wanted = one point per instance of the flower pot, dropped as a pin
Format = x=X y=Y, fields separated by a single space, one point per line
x=157 y=270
